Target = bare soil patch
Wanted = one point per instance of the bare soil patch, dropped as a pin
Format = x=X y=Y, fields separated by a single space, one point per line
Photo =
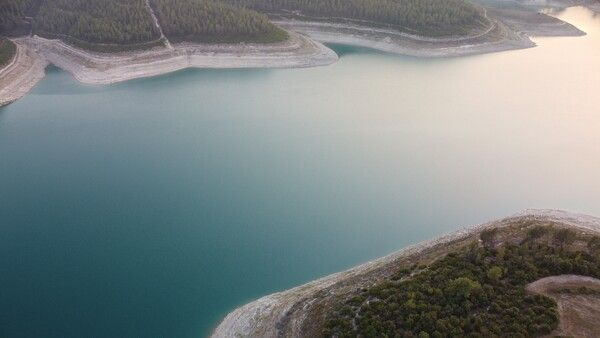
x=578 y=300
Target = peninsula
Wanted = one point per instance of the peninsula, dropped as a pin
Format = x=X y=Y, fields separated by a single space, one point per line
x=531 y=274
x=107 y=41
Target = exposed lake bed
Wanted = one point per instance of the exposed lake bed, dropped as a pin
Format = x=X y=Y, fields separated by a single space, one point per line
x=177 y=198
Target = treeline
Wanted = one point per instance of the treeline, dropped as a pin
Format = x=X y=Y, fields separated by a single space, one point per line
x=7 y=51
x=428 y=17
x=96 y=21
x=16 y=16
x=476 y=292
x=104 y=23
x=211 y=21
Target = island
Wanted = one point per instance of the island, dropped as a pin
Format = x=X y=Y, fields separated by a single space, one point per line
x=107 y=41
x=535 y=273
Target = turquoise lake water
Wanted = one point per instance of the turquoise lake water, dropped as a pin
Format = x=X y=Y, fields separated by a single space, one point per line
x=152 y=208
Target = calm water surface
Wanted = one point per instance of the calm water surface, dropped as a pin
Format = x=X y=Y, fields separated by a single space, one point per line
x=152 y=208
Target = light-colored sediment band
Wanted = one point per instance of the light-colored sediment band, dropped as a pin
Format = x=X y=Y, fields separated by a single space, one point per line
x=34 y=54
x=495 y=39
x=103 y=68
x=269 y=315
x=20 y=75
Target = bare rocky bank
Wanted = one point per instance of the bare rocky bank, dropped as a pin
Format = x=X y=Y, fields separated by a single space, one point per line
x=35 y=53
x=291 y=313
x=103 y=68
x=21 y=74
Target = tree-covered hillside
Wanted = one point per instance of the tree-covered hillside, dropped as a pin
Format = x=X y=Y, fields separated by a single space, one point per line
x=16 y=16
x=124 y=24
x=476 y=292
x=121 y=22
x=427 y=17
x=7 y=51
x=212 y=21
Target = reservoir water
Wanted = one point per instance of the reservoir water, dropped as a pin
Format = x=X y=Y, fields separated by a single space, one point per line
x=152 y=208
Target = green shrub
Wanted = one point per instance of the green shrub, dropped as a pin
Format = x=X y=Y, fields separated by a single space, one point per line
x=537 y=232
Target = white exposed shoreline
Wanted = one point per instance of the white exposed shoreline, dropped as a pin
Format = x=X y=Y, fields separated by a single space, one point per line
x=102 y=68
x=19 y=76
x=264 y=317
x=496 y=39
x=35 y=53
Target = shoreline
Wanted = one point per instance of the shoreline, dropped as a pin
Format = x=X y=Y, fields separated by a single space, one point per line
x=106 y=68
x=498 y=38
x=284 y=313
x=35 y=53
x=18 y=77
x=509 y=29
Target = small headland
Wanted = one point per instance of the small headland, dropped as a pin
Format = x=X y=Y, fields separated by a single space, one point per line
x=473 y=281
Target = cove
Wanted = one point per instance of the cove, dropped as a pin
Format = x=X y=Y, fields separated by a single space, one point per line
x=155 y=206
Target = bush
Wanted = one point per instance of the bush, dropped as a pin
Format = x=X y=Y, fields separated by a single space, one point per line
x=488 y=237
x=564 y=236
x=494 y=273
x=536 y=232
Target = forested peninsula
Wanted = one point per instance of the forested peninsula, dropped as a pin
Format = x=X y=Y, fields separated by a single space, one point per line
x=106 y=41
x=96 y=23
x=533 y=274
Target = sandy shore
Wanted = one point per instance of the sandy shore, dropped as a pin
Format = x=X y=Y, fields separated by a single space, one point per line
x=284 y=313
x=101 y=68
x=18 y=77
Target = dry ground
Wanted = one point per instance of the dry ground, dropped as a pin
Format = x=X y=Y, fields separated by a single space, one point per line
x=578 y=299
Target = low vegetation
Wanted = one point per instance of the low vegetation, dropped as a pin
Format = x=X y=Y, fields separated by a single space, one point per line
x=212 y=21
x=7 y=51
x=478 y=291
x=426 y=17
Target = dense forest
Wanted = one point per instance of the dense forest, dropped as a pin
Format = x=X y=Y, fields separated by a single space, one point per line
x=123 y=22
x=100 y=24
x=7 y=51
x=476 y=292
x=429 y=17
x=211 y=21
x=16 y=16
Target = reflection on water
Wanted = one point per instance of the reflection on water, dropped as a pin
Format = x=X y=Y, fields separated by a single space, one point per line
x=152 y=207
